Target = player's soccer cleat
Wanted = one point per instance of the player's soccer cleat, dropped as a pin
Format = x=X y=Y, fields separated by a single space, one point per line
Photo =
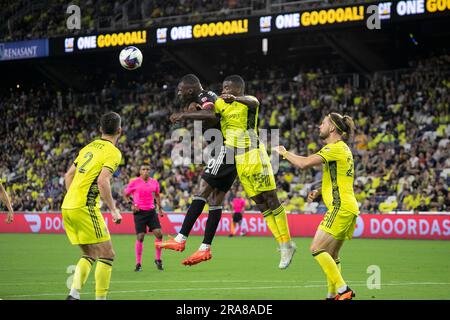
x=138 y=267
x=197 y=257
x=286 y=255
x=171 y=244
x=69 y=297
x=348 y=294
x=159 y=265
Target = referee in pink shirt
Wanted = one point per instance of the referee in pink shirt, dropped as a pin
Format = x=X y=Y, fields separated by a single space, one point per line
x=144 y=190
x=238 y=209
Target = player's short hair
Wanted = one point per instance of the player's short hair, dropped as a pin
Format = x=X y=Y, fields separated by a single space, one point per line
x=146 y=163
x=191 y=79
x=236 y=80
x=344 y=124
x=110 y=122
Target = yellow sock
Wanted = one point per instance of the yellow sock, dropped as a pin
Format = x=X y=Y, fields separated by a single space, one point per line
x=271 y=223
x=282 y=223
x=331 y=286
x=102 y=277
x=329 y=267
x=82 y=271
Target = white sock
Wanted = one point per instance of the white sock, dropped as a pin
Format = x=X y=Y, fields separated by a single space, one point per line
x=342 y=289
x=75 y=293
x=100 y=298
x=331 y=295
x=204 y=247
x=285 y=245
x=180 y=238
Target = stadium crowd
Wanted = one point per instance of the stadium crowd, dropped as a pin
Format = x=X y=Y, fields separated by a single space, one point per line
x=41 y=20
x=25 y=19
x=401 y=147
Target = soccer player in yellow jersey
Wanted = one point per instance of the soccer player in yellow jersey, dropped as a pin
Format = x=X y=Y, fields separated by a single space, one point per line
x=239 y=123
x=86 y=181
x=339 y=222
x=4 y=197
x=238 y=115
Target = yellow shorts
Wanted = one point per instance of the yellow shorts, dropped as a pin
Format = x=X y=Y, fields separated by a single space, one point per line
x=339 y=223
x=255 y=171
x=85 y=225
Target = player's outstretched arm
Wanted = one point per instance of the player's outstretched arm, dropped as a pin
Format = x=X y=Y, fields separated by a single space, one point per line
x=104 y=186
x=203 y=115
x=299 y=161
x=5 y=198
x=249 y=101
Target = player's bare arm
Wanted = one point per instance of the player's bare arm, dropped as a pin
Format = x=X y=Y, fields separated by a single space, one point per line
x=68 y=177
x=104 y=186
x=158 y=203
x=299 y=161
x=5 y=199
x=249 y=101
x=204 y=115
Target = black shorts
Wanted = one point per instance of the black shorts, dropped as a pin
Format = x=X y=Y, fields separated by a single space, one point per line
x=218 y=173
x=144 y=219
x=237 y=217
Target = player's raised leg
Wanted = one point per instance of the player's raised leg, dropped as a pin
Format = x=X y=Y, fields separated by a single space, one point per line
x=215 y=213
x=194 y=211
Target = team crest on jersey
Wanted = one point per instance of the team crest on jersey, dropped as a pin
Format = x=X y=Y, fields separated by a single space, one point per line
x=326 y=149
x=204 y=99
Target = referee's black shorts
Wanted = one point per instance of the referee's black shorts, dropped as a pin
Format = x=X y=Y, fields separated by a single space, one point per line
x=144 y=219
x=218 y=173
x=237 y=217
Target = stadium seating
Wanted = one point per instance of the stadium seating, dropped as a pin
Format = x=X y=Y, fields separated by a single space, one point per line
x=401 y=150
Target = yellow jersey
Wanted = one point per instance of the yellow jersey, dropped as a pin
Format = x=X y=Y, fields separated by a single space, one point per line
x=338 y=176
x=90 y=161
x=239 y=123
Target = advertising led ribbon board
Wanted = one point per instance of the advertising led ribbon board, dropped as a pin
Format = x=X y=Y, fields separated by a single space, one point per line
x=355 y=15
x=331 y=17
x=23 y=49
x=101 y=41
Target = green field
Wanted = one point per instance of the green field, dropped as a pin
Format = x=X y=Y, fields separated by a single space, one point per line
x=35 y=267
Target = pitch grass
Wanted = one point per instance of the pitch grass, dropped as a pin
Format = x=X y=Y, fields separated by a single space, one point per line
x=36 y=267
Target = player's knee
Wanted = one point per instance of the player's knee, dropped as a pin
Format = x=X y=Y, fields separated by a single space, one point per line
x=158 y=234
x=273 y=201
x=107 y=253
x=262 y=207
x=314 y=249
x=140 y=237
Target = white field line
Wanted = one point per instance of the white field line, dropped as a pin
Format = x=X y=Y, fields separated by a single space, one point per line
x=231 y=289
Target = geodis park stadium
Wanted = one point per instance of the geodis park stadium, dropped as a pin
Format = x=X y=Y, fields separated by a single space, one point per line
x=225 y=159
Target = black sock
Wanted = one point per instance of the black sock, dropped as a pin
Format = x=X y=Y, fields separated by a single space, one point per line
x=194 y=211
x=215 y=213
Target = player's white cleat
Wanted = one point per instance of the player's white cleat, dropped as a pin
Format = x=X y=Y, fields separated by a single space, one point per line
x=287 y=252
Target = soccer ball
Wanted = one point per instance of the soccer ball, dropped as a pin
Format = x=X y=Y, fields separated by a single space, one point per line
x=130 y=58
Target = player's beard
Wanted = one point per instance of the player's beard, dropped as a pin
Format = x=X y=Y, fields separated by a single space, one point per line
x=324 y=135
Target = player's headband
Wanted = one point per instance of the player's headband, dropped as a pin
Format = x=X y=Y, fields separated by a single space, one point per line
x=335 y=124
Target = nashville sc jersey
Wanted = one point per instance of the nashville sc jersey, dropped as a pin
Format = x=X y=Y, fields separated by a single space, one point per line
x=239 y=123
x=89 y=163
x=338 y=176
